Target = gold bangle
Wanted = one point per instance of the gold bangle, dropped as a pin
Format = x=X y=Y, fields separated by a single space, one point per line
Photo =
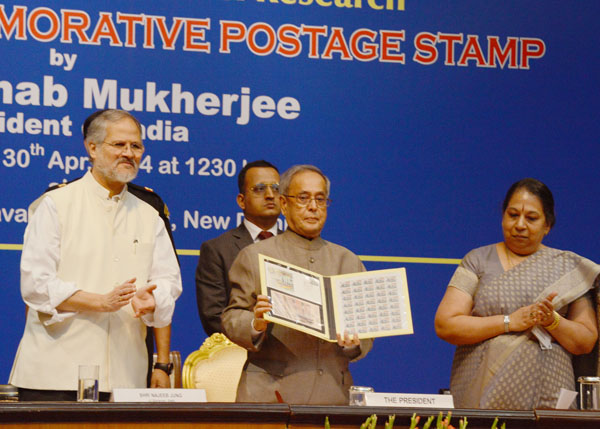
x=554 y=324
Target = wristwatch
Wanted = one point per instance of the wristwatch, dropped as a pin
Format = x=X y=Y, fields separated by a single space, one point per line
x=506 y=323
x=166 y=367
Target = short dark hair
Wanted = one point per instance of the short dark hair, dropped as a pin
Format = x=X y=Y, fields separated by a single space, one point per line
x=254 y=164
x=540 y=190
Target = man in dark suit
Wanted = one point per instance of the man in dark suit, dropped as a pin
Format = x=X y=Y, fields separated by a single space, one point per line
x=258 y=197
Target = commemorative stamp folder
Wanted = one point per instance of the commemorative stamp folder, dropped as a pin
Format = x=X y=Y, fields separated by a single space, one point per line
x=371 y=303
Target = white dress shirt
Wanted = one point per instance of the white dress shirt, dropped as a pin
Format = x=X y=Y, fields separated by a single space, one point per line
x=255 y=230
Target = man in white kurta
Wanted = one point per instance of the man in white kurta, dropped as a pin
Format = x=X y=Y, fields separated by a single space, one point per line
x=97 y=267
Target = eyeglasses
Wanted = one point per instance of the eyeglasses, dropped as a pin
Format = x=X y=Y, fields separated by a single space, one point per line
x=261 y=188
x=120 y=147
x=304 y=200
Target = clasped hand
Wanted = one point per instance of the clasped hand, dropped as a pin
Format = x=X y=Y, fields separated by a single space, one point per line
x=539 y=313
x=120 y=296
x=142 y=301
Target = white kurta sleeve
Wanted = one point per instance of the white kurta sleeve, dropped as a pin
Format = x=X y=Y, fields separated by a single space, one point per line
x=165 y=274
x=41 y=289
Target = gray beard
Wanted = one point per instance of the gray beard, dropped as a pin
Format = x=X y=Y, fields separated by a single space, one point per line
x=117 y=176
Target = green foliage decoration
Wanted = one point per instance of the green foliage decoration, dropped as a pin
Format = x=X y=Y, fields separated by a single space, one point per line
x=440 y=423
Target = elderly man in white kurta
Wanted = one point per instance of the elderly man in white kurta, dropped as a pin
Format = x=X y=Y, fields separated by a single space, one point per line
x=97 y=267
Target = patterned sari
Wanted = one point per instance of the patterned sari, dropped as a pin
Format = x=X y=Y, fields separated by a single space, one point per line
x=511 y=371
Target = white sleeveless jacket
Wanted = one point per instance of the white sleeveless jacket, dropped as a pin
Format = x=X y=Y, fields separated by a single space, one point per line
x=102 y=244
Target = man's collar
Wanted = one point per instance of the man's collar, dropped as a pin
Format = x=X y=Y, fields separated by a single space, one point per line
x=255 y=230
x=303 y=242
x=300 y=235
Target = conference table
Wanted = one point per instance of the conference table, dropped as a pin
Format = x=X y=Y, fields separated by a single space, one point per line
x=56 y=415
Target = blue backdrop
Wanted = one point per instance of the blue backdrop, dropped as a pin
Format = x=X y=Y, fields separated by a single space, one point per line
x=422 y=113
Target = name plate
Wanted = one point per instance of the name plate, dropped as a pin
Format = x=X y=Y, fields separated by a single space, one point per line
x=159 y=395
x=408 y=400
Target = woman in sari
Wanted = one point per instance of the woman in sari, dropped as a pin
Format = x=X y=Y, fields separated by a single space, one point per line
x=518 y=311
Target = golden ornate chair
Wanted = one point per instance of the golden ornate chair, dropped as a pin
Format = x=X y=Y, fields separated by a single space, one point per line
x=216 y=367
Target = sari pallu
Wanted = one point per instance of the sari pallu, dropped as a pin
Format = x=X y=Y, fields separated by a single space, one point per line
x=511 y=371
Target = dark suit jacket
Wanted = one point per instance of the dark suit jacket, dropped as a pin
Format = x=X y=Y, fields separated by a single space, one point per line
x=212 y=280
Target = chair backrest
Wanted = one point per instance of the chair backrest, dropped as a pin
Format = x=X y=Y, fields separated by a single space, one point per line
x=175 y=359
x=216 y=367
